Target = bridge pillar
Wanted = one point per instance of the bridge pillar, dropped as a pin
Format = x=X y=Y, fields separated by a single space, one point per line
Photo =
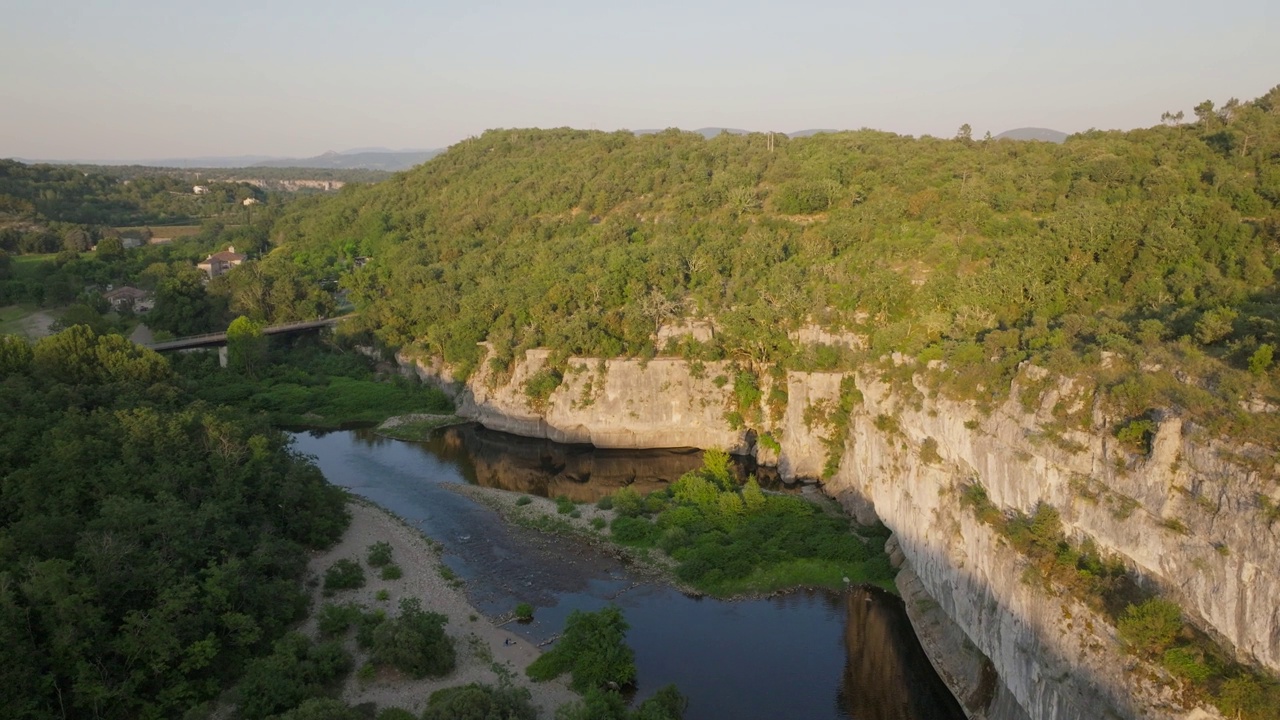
x=222 y=356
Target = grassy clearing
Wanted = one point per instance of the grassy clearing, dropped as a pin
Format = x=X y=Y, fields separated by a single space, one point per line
x=416 y=428
x=163 y=231
x=312 y=386
x=27 y=267
x=728 y=540
x=21 y=320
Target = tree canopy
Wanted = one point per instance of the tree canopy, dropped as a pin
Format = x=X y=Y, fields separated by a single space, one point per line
x=149 y=546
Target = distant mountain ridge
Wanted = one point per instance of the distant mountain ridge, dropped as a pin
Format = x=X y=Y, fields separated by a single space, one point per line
x=711 y=132
x=388 y=160
x=391 y=161
x=355 y=159
x=1034 y=133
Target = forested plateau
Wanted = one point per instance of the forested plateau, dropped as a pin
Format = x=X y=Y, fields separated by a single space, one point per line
x=1154 y=246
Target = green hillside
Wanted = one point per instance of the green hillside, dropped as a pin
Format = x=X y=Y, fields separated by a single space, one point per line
x=1155 y=244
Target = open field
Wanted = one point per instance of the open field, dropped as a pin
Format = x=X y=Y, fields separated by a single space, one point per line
x=24 y=267
x=163 y=231
x=27 y=321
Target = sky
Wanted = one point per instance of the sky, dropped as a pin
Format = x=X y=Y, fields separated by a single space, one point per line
x=116 y=79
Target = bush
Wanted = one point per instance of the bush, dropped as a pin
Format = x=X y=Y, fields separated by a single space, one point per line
x=633 y=530
x=391 y=572
x=524 y=612
x=345 y=574
x=1186 y=663
x=1150 y=628
x=366 y=625
x=538 y=388
x=321 y=709
x=480 y=702
x=523 y=500
x=395 y=713
x=294 y=671
x=598 y=523
x=666 y=704
x=627 y=501
x=415 y=642
x=592 y=649
x=605 y=503
x=379 y=554
x=1137 y=435
x=564 y=505
x=335 y=619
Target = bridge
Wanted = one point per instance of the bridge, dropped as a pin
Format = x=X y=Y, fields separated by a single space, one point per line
x=220 y=338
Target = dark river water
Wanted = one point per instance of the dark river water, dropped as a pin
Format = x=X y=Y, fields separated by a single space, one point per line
x=805 y=654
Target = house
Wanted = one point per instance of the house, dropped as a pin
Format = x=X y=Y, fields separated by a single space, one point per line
x=220 y=263
x=129 y=297
x=200 y=189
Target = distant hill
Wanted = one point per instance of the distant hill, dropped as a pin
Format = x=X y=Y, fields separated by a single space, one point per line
x=366 y=160
x=706 y=132
x=710 y=132
x=1033 y=133
x=356 y=159
x=221 y=161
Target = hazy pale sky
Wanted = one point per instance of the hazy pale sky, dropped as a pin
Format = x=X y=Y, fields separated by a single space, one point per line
x=112 y=79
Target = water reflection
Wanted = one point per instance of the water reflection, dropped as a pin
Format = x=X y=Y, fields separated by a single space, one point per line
x=582 y=473
x=805 y=654
x=883 y=656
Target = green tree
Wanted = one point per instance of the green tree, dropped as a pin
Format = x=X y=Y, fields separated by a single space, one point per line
x=182 y=305
x=15 y=355
x=480 y=702
x=414 y=642
x=592 y=649
x=246 y=347
x=110 y=248
x=1260 y=360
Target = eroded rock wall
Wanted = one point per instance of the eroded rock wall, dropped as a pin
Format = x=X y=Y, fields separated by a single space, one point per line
x=1187 y=516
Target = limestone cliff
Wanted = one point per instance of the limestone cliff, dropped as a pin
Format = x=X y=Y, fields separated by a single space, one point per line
x=1188 y=516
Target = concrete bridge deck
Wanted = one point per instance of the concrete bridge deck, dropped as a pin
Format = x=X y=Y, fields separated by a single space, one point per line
x=220 y=338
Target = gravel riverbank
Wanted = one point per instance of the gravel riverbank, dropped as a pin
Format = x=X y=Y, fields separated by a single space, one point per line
x=486 y=651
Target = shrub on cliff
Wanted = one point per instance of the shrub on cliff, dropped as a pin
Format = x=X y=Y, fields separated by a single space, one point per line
x=1150 y=628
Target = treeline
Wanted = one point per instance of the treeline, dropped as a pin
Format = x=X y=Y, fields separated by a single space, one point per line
x=1155 y=241
x=150 y=546
x=194 y=175
x=68 y=195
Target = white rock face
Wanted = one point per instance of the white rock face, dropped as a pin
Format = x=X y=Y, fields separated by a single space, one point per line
x=1188 y=517
x=624 y=404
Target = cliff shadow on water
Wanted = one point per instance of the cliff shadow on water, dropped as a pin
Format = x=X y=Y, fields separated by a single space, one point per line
x=580 y=472
x=883 y=656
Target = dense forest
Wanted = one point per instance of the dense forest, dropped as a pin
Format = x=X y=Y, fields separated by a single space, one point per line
x=150 y=545
x=1156 y=244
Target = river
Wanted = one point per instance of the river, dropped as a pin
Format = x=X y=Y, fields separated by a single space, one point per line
x=806 y=654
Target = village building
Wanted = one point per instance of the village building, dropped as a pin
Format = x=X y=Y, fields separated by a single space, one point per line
x=220 y=263
x=130 y=298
